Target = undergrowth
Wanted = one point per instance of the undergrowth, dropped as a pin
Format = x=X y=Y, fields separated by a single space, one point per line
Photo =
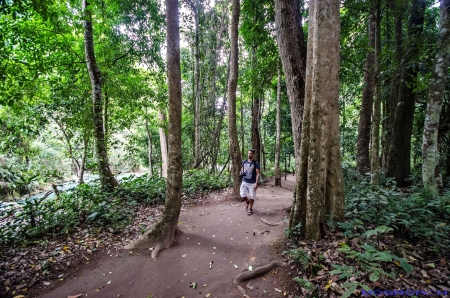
x=411 y=214
x=88 y=205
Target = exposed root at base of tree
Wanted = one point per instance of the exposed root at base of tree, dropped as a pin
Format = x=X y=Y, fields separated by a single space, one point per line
x=270 y=223
x=250 y=274
x=287 y=209
x=159 y=237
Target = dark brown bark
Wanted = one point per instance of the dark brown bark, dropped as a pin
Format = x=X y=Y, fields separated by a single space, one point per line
x=256 y=137
x=106 y=177
x=397 y=10
x=365 y=114
x=232 y=87
x=375 y=140
x=399 y=159
x=292 y=48
x=162 y=234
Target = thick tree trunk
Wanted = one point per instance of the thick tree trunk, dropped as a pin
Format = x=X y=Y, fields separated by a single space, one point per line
x=365 y=114
x=232 y=87
x=431 y=177
x=397 y=10
x=106 y=177
x=320 y=192
x=162 y=234
x=292 y=49
x=399 y=160
x=163 y=143
x=149 y=138
x=375 y=150
x=256 y=137
x=278 y=133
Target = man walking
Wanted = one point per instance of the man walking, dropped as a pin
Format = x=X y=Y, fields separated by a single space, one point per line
x=250 y=177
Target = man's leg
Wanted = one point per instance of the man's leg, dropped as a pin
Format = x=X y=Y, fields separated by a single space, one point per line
x=243 y=193
x=252 y=195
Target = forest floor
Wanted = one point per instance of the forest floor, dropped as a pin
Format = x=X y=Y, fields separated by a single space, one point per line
x=216 y=240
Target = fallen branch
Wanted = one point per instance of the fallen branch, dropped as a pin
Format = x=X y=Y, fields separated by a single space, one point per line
x=250 y=274
x=270 y=223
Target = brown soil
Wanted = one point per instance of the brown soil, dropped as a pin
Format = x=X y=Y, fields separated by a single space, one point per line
x=219 y=233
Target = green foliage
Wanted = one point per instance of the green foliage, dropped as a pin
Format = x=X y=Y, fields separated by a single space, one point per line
x=90 y=206
x=370 y=260
x=301 y=256
x=304 y=283
x=345 y=271
x=199 y=181
x=416 y=216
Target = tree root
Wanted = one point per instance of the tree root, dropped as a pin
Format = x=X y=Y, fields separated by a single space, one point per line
x=158 y=238
x=270 y=223
x=250 y=274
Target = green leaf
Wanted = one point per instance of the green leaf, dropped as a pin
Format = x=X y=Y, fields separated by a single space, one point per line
x=350 y=291
x=375 y=276
x=406 y=266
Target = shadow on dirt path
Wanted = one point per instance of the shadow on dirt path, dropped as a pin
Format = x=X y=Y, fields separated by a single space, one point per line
x=219 y=233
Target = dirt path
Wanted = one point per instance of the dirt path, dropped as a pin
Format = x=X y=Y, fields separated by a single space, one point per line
x=219 y=232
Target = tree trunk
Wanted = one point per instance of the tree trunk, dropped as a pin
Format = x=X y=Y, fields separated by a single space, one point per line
x=256 y=136
x=83 y=157
x=398 y=11
x=232 y=87
x=278 y=133
x=320 y=192
x=162 y=234
x=365 y=114
x=431 y=177
x=106 y=177
x=399 y=160
x=291 y=45
x=375 y=159
x=163 y=143
x=220 y=124
x=197 y=153
x=149 y=138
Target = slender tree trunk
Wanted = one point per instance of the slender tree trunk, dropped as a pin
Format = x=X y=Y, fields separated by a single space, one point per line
x=220 y=123
x=83 y=158
x=149 y=138
x=278 y=133
x=320 y=194
x=232 y=87
x=162 y=235
x=105 y=107
x=197 y=153
x=375 y=157
x=431 y=177
x=106 y=177
x=163 y=142
x=292 y=48
x=399 y=160
x=365 y=114
x=242 y=129
x=75 y=162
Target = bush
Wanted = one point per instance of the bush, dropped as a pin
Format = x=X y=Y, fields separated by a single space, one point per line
x=89 y=205
x=415 y=216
